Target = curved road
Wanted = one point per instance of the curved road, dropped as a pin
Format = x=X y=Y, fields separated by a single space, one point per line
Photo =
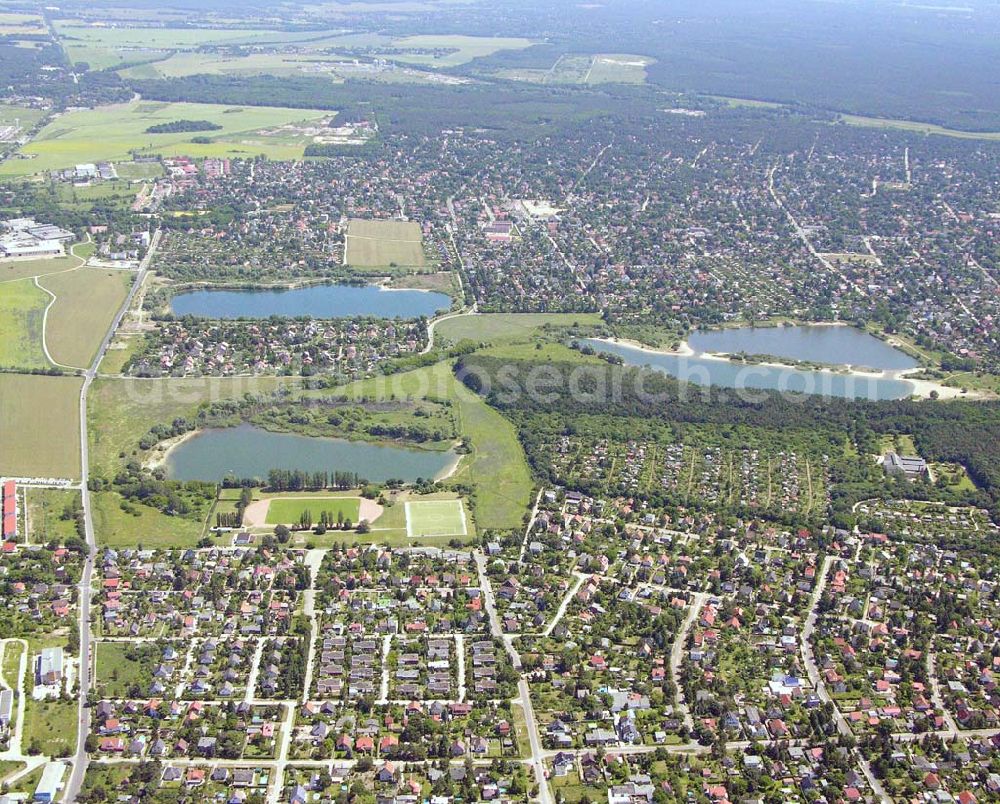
x=83 y=725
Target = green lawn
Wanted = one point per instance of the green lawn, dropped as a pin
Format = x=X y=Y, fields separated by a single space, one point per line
x=495 y=468
x=435 y=518
x=498 y=327
x=46 y=508
x=8 y=768
x=51 y=726
x=114 y=132
x=116 y=671
x=116 y=527
x=28 y=782
x=134 y=171
x=20 y=269
x=287 y=511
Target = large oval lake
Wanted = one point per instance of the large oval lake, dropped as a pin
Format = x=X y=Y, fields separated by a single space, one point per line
x=247 y=451
x=726 y=374
x=847 y=346
x=315 y=301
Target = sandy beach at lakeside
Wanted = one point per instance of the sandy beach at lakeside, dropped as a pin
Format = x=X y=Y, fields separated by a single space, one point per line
x=921 y=388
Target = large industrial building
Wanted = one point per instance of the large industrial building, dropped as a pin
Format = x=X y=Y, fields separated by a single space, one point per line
x=26 y=238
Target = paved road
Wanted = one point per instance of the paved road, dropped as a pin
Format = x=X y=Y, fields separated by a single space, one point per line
x=677 y=655
x=819 y=685
x=537 y=754
x=434 y=322
x=561 y=611
x=14 y=751
x=75 y=781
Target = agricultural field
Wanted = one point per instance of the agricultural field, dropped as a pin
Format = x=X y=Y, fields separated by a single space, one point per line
x=22 y=311
x=114 y=132
x=86 y=302
x=435 y=518
x=600 y=68
x=21 y=25
x=384 y=244
x=101 y=47
x=39 y=426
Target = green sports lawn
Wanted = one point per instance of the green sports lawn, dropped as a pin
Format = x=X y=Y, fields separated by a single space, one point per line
x=384 y=243
x=435 y=518
x=288 y=510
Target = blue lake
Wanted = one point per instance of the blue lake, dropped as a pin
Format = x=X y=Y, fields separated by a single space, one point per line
x=726 y=374
x=247 y=451
x=847 y=346
x=315 y=301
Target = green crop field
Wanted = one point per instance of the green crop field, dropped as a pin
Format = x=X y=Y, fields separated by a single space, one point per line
x=435 y=518
x=383 y=243
x=39 y=426
x=86 y=303
x=288 y=510
x=22 y=309
x=114 y=132
x=21 y=25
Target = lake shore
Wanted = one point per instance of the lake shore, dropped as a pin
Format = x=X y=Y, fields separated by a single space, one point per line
x=159 y=455
x=921 y=388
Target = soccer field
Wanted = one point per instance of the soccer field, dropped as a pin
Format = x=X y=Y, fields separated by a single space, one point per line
x=384 y=243
x=287 y=511
x=435 y=518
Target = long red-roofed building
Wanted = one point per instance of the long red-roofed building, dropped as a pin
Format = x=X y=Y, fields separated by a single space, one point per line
x=9 y=510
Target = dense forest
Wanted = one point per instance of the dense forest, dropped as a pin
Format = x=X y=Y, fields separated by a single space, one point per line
x=962 y=432
x=505 y=110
